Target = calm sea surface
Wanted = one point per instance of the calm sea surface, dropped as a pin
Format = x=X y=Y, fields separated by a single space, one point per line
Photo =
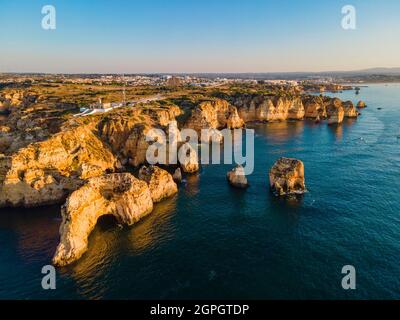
x=212 y=241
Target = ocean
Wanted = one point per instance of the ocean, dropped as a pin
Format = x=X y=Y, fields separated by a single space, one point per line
x=212 y=241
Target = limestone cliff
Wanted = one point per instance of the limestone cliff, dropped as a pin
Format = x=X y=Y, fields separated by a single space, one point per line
x=214 y=114
x=46 y=172
x=268 y=108
x=349 y=110
x=160 y=182
x=314 y=107
x=121 y=195
x=126 y=131
x=335 y=111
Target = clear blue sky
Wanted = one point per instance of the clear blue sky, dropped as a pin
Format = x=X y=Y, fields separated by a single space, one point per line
x=198 y=36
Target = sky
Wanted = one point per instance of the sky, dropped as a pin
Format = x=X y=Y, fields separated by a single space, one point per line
x=190 y=36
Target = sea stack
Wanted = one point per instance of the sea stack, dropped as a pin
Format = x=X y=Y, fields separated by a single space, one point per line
x=190 y=161
x=361 y=105
x=349 y=110
x=287 y=177
x=237 y=178
x=335 y=111
x=177 y=176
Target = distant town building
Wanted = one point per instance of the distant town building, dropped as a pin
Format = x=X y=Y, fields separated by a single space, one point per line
x=173 y=82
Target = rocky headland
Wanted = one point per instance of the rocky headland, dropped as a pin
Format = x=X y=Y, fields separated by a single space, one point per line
x=121 y=195
x=48 y=156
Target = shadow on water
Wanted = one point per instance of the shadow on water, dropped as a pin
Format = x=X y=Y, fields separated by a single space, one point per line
x=290 y=206
x=279 y=132
x=36 y=230
x=110 y=242
x=341 y=129
x=191 y=185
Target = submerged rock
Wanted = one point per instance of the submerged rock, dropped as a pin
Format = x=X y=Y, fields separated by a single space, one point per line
x=120 y=194
x=287 y=177
x=160 y=182
x=237 y=177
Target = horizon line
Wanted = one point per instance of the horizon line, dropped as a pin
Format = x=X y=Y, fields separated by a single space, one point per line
x=201 y=72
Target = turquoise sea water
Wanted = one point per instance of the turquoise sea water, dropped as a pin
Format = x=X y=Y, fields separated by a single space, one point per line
x=213 y=241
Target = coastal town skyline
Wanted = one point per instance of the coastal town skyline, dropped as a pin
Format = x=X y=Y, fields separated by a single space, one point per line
x=198 y=37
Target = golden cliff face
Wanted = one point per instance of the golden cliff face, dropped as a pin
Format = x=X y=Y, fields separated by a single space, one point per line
x=126 y=131
x=350 y=110
x=332 y=109
x=126 y=137
x=34 y=173
x=266 y=108
x=122 y=195
x=160 y=182
x=335 y=111
x=314 y=107
x=215 y=114
x=45 y=172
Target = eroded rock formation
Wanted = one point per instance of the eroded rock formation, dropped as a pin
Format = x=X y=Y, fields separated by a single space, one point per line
x=314 y=107
x=335 y=111
x=122 y=195
x=361 y=105
x=46 y=155
x=287 y=177
x=46 y=172
x=177 y=176
x=189 y=159
x=237 y=177
x=349 y=110
x=160 y=182
x=214 y=114
x=266 y=108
